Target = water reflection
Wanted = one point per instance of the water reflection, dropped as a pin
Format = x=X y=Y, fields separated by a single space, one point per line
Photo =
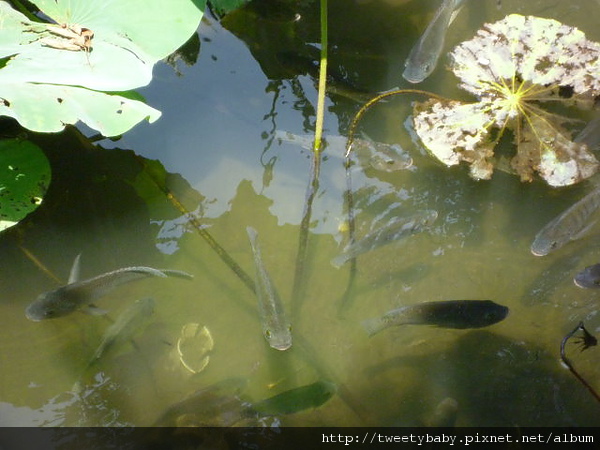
x=212 y=165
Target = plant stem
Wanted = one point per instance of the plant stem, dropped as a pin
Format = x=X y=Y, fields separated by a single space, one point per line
x=220 y=251
x=313 y=185
x=346 y=297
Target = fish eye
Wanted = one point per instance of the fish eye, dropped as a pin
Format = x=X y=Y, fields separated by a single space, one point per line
x=268 y=334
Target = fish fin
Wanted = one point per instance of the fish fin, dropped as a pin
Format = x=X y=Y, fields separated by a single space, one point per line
x=373 y=326
x=584 y=231
x=75 y=270
x=94 y=310
x=177 y=274
x=339 y=260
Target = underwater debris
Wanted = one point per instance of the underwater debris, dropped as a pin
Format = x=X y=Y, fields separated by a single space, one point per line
x=512 y=66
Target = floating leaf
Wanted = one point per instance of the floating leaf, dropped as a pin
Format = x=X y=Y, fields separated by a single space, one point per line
x=125 y=40
x=24 y=177
x=512 y=67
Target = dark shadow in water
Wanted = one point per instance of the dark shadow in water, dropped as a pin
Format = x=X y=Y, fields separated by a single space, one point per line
x=496 y=382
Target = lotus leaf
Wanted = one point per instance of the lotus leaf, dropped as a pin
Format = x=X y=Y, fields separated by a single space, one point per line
x=514 y=66
x=124 y=40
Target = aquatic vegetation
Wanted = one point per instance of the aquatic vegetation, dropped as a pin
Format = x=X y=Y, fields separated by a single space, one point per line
x=24 y=179
x=79 y=67
x=512 y=66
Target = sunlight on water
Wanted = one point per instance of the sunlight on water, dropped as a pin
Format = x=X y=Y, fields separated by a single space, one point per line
x=216 y=141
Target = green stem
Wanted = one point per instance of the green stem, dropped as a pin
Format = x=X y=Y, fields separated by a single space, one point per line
x=313 y=185
x=234 y=266
x=361 y=112
x=346 y=297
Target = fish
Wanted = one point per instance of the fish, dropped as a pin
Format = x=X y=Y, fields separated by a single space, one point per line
x=127 y=324
x=424 y=55
x=79 y=295
x=570 y=225
x=590 y=135
x=123 y=329
x=399 y=228
x=458 y=314
x=276 y=328
x=295 y=400
x=445 y=414
x=378 y=155
x=217 y=405
x=589 y=277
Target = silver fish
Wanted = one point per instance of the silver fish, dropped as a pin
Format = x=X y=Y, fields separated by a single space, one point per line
x=589 y=277
x=127 y=324
x=81 y=294
x=378 y=155
x=424 y=55
x=570 y=225
x=446 y=314
x=276 y=328
x=400 y=227
x=590 y=135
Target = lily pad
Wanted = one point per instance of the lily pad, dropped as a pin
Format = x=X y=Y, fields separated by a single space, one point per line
x=24 y=178
x=194 y=347
x=124 y=40
x=515 y=67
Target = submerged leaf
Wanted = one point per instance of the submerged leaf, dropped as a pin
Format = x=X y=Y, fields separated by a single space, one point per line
x=512 y=66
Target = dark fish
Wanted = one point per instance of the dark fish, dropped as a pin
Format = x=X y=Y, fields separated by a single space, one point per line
x=297 y=399
x=445 y=314
x=81 y=294
x=588 y=277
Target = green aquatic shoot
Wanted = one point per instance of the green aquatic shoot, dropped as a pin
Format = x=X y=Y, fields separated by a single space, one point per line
x=313 y=184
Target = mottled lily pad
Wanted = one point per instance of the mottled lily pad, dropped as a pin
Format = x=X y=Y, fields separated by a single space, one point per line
x=515 y=67
x=194 y=347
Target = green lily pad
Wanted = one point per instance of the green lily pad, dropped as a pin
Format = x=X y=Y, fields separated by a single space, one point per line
x=24 y=177
x=129 y=37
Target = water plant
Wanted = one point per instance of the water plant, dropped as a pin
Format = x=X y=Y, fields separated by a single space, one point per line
x=83 y=64
x=515 y=67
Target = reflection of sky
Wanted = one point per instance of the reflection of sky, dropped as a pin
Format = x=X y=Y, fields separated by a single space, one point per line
x=214 y=129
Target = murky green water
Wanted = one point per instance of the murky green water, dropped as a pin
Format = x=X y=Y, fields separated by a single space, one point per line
x=216 y=139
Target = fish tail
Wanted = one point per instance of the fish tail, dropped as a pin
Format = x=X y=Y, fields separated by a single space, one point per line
x=177 y=273
x=339 y=260
x=373 y=326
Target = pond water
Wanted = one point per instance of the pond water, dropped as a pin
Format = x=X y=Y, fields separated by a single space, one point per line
x=219 y=160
